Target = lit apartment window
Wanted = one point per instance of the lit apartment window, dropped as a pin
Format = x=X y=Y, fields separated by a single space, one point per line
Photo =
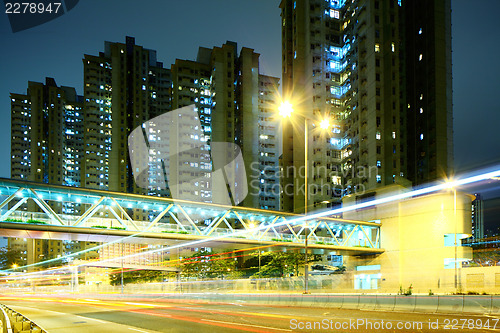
x=334 y=13
x=393 y=47
x=379 y=178
x=377 y=47
x=378 y=136
x=420 y=57
x=393 y=135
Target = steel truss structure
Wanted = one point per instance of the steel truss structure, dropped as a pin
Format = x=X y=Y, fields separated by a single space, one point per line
x=35 y=203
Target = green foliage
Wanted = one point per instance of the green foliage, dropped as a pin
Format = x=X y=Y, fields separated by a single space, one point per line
x=283 y=263
x=281 y=240
x=31 y=221
x=340 y=270
x=10 y=257
x=175 y=232
x=117 y=228
x=430 y=292
x=13 y=220
x=99 y=227
x=136 y=276
x=207 y=265
x=406 y=292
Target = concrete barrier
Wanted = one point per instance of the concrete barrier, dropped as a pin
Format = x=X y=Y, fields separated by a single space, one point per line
x=450 y=304
x=495 y=305
x=323 y=300
x=335 y=300
x=351 y=301
x=428 y=304
x=368 y=302
x=477 y=304
x=385 y=302
x=405 y=303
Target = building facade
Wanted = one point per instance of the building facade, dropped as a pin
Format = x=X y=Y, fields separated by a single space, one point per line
x=363 y=65
x=61 y=138
x=477 y=218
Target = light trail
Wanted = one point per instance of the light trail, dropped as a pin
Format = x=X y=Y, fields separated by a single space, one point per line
x=492 y=175
x=370 y=203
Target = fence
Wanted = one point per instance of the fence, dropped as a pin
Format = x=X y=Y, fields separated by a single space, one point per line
x=14 y=322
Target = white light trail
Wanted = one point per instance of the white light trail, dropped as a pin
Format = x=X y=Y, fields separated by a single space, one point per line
x=426 y=190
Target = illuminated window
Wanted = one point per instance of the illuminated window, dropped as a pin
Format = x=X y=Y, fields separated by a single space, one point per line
x=420 y=57
x=377 y=47
x=393 y=47
x=379 y=178
x=379 y=164
x=393 y=135
x=334 y=14
x=378 y=136
x=421 y=136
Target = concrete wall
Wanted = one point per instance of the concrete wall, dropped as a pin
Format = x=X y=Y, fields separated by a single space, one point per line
x=413 y=235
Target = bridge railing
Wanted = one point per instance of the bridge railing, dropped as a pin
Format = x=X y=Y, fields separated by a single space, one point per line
x=114 y=224
x=25 y=202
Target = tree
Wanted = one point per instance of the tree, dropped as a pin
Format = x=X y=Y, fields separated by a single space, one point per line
x=280 y=264
x=208 y=264
x=9 y=258
x=136 y=276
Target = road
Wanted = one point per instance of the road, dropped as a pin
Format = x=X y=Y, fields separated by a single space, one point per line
x=68 y=315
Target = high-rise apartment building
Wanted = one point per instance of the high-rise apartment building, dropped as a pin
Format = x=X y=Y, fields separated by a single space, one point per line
x=380 y=71
x=123 y=87
x=233 y=101
x=61 y=138
x=477 y=217
x=46 y=143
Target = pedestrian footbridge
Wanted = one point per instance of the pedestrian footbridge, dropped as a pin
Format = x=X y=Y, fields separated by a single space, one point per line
x=34 y=210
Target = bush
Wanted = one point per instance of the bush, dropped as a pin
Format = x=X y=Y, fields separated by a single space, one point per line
x=35 y=222
x=13 y=220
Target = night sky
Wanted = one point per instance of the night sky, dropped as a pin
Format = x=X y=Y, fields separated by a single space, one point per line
x=177 y=28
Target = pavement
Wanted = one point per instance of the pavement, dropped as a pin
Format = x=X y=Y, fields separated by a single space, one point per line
x=68 y=315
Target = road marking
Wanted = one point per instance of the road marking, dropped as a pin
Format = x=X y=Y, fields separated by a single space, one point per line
x=140 y=304
x=100 y=321
x=231 y=323
x=138 y=330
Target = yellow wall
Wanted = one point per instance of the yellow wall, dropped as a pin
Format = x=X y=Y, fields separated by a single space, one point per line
x=412 y=234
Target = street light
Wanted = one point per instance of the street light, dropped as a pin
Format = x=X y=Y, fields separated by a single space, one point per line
x=286 y=110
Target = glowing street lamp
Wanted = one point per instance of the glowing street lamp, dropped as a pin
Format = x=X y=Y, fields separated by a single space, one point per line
x=325 y=124
x=285 y=109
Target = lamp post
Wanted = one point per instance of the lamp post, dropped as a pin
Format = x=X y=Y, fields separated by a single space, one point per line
x=456 y=241
x=286 y=110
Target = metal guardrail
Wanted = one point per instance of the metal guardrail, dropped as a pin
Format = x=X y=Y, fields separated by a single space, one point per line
x=18 y=323
x=6 y=327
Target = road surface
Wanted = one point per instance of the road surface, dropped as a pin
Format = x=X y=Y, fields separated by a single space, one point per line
x=68 y=315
